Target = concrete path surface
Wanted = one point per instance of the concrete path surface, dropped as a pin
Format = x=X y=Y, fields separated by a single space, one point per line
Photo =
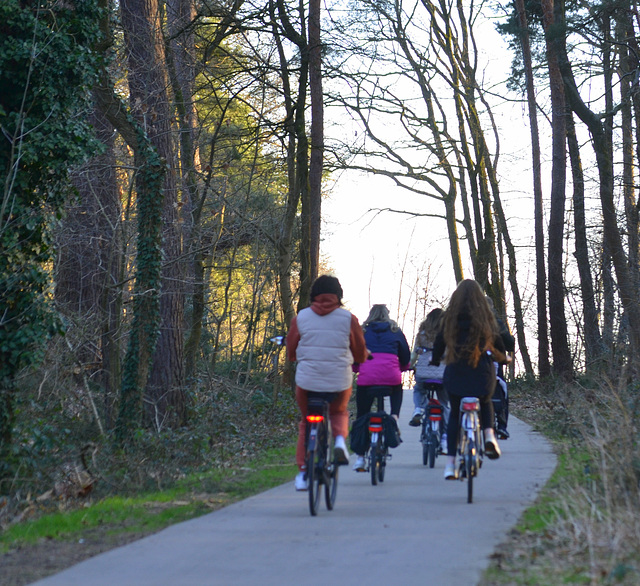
x=415 y=528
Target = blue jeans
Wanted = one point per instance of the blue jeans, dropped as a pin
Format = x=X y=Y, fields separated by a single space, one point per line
x=421 y=393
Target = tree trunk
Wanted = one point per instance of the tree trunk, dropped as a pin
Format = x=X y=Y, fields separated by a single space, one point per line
x=317 y=136
x=148 y=82
x=553 y=21
x=285 y=237
x=89 y=263
x=592 y=339
x=301 y=176
x=544 y=364
x=630 y=106
x=600 y=135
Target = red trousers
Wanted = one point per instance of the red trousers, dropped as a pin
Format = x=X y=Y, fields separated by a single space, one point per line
x=337 y=414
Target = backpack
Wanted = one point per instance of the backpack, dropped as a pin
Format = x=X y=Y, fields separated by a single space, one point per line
x=392 y=437
x=426 y=372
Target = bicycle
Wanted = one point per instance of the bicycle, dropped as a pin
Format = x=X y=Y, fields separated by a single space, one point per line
x=432 y=422
x=470 y=443
x=378 y=452
x=322 y=467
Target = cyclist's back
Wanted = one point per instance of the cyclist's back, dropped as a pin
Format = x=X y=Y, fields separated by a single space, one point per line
x=325 y=339
x=390 y=357
x=428 y=377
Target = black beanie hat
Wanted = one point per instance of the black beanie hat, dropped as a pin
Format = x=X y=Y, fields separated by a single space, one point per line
x=326 y=284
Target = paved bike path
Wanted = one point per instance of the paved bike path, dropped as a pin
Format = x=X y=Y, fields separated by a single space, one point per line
x=415 y=528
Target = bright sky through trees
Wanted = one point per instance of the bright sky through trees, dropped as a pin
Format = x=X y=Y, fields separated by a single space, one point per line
x=404 y=261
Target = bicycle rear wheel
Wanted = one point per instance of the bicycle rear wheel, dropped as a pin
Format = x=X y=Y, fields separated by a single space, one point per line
x=424 y=439
x=432 y=446
x=383 y=463
x=460 y=454
x=315 y=464
x=468 y=461
x=374 y=464
x=313 y=479
x=331 y=480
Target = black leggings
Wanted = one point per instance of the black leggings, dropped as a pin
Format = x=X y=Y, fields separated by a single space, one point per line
x=486 y=419
x=364 y=400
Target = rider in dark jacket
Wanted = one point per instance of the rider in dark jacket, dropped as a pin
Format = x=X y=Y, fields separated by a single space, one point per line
x=472 y=342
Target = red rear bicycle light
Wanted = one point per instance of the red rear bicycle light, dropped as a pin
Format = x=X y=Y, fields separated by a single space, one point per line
x=315 y=418
x=468 y=406
x=375 y=424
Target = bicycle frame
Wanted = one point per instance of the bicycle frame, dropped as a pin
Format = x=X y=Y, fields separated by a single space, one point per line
x=431 y=431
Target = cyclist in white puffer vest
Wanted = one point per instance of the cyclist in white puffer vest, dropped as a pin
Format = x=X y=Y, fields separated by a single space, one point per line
x=325 y=340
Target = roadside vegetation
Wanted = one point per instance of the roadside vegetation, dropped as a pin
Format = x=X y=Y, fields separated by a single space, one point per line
x=76 y=495
x=162 y=168
x=585 y=526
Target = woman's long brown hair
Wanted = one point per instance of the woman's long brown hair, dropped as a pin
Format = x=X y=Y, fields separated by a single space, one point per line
x=469 y=300
x=430 y=327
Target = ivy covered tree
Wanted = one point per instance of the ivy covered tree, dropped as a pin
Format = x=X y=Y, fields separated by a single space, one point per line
x=46 y=69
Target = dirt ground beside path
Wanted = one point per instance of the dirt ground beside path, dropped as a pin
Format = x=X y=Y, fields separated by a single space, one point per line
x=30 y=563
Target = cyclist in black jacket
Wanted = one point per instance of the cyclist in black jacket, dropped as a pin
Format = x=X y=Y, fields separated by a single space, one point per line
x=472 y=342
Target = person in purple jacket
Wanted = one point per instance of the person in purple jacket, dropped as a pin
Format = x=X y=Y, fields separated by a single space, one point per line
x=390 y=357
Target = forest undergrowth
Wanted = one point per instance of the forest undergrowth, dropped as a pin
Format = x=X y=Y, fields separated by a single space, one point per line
x=74 y=496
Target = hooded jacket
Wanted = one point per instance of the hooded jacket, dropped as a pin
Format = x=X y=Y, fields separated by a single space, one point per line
x=390 y=353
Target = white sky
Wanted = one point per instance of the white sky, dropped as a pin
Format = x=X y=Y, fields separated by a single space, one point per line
x=402 y=261
x=388 y=258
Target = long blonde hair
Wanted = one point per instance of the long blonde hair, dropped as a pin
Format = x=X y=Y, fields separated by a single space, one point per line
x=469 y=300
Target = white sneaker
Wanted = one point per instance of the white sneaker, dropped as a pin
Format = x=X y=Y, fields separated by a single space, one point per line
x=340 y=451
x=491 y=447
x=301 y=481
x=450 y=472
x=416 y=418
x=360 y=465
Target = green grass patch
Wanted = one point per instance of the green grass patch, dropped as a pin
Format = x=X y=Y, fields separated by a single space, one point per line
x=571 y=469
x=192 y=496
